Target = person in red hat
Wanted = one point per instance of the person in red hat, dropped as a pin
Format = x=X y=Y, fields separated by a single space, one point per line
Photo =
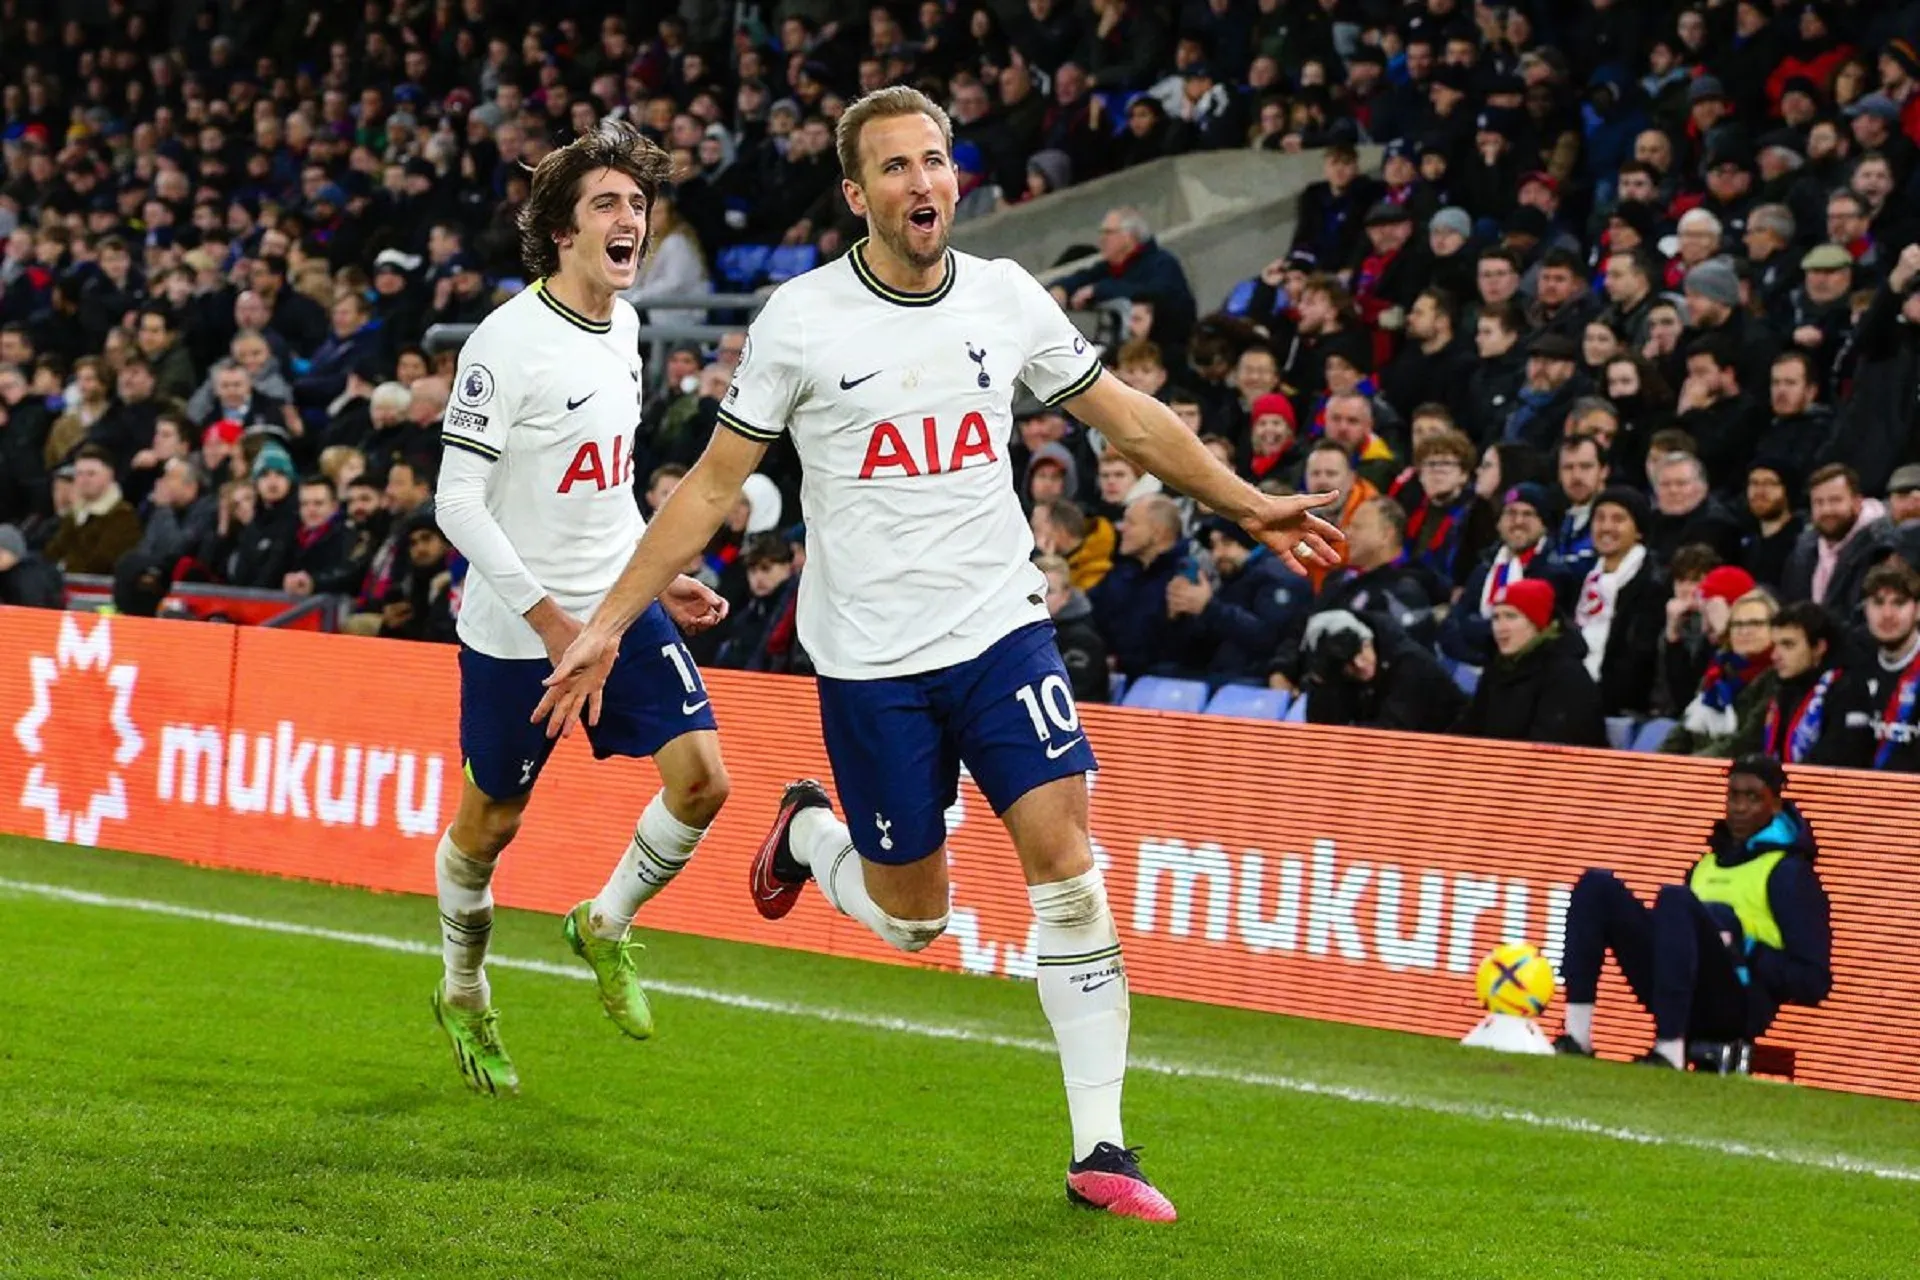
x=1274 y=452
x=1697 y=619
x=1537 y=688
x=1727 y=714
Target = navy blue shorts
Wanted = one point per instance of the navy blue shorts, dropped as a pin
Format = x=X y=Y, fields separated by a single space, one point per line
x=653 y=695
x=897 y=744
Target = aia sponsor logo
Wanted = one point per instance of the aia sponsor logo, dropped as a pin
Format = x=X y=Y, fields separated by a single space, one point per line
x=933 y=448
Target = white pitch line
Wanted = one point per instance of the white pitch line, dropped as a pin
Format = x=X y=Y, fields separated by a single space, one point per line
x=1831 y=1163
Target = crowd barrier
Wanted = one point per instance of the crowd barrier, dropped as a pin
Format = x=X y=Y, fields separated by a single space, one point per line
x=1327 y=873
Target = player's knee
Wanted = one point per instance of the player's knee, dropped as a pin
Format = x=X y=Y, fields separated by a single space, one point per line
x=911 y=935
x=1673 y=897
x=489 y=832
x=1594 y=880
x=1071 y=903
x=697 y=801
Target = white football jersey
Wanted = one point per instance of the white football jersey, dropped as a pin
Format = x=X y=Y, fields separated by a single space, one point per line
x=552 y=400
x=901 y=409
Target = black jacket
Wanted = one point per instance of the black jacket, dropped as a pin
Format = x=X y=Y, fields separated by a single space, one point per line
x=1725 y=433
x=1800 y=969
x=1404 y=597
x=1248 y=612
x=1874 y=432
x=1082 y=649
x=1630 y=664
x=328 y=560
x=33 y=584
x=1493 y=389
x=1856 y=727
x=1414 y=378
x=1467 y=634
x=1765 y=556
x=1333 y=226
x=256 y=554
x=1868 y=547
x=1542 y=694
x=1709 y=523
x=1130 y=608
x=1409 y=691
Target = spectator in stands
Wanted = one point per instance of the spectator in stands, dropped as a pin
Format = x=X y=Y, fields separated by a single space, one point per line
x=1620 y=606
x=1818 y=316
x=1687 y=512
x=1582 y=472
x=1434 y=365
x=1332 y=211
x=1715 y=410
x=1802 y=677
x=259 y=540
x=1872 y=717
x=1773 y=526
x=165 y=350
x=1086 y=543
x=1273 y=451
x=1237 y=619
x=1562 y=303
x=1350 y=424
x=1800 y=424
x=1500 y=373
x=180 y=538
x=1130 y=603
x=1051 y=473
x=394 y=434
x=230 y=394
x=1450 y=526
x=353 y=337
x=1553 y=383
x=1373 y=676
x=166 y=440
x=1727 y=713
x=1524 y=550
x=1903 y=500
x=24 y=424
x=1698 y=618
x=771 y=583
x=1715 y=958
x=419 y=603
x=1081 y=646
x=102 y=526
x=1630 y=295
x=1875 y=431
x=320 y=563
x=1849 y=533
x=1132 y=265
x=1537 y=688
x=1378 y=577
x=27 y=580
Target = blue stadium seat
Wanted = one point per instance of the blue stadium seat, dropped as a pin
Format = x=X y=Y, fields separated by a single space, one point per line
x=1240 y=299
x=1162 y=693
x=1249 y=703
x=1116 y=687
x=1297 y=710
x=741 y=265
x=790 y=260
x=1652 y=734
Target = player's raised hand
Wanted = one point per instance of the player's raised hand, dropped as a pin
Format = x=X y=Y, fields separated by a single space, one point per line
x=693 y=606
x=1288 y=528
x=578 y=678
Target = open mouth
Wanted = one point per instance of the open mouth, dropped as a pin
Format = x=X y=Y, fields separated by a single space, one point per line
x=926 y=217
x=620 y=250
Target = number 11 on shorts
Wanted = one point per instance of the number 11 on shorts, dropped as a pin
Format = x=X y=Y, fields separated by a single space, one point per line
x=689 y=677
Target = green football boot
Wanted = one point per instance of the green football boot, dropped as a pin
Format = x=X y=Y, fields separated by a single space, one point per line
x=476 y=1047
x=613 y=971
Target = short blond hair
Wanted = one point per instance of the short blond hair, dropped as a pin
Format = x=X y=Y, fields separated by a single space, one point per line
x=884 y=104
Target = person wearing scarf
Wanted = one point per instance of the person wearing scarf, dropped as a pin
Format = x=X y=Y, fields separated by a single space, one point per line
x=1272 y=453
x=1621 y=606
x=1451 y=525
x=1727 y=716
x=1800 y=682
x=1526 y=513
x=1537 y=688
x=1871 y=719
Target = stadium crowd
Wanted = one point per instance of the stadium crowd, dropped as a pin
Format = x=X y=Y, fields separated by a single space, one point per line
x=1612 y=354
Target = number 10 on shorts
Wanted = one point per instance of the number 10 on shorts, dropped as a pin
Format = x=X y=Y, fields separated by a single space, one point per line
x=1050 y=708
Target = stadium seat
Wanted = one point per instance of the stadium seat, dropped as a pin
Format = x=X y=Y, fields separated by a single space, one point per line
x=1240 y=299
x=1116 y=687
x=741 y=265
x=1163 y=693
x=1652 y=734
x=790 y=260
x=1249 y=703
x=1297 y=710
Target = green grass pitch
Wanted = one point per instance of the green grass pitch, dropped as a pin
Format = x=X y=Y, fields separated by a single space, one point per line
x=200 y=1075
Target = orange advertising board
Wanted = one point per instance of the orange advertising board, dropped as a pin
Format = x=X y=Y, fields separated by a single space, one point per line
x=1341 y=874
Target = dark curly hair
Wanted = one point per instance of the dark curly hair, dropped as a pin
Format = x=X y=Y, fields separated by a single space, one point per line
x=548 y=213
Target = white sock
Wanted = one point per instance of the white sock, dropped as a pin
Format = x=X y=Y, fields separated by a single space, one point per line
x=660 y=848
x=820 y=843
x=1580 y=1024
x=1083 y=990
x=1674 y=1051
x=466 y=922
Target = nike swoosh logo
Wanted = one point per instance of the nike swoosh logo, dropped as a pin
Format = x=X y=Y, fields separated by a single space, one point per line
x=1054 y=753
x=845 y=385
x=575 y=404
x=1092 y=987
x=688 y=708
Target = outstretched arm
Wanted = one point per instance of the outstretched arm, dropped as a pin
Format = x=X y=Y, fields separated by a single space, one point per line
x=1152 y=435
x=678 y=533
